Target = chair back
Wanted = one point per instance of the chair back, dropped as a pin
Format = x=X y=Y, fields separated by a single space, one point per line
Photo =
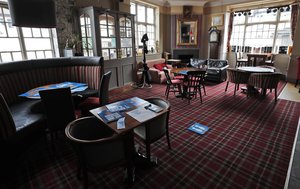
x=195 y=78
x=237 y=76
x=7 y=124
x=156 y=128
x=169 y=80
x=58 y=107
x=104 y=89
x=95 y=144
x=265 y=80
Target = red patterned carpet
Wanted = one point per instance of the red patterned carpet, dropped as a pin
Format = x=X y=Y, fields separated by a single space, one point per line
x=248 y=146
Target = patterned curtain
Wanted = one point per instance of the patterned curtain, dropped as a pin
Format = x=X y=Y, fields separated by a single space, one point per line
x=230 y=26
x=294 y=20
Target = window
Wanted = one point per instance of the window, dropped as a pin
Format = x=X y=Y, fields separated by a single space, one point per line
x=19 y=43
x=262 y=31
x=85 y=25
x=145 y=22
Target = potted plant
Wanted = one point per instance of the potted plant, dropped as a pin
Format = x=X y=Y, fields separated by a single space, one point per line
x=73 y=46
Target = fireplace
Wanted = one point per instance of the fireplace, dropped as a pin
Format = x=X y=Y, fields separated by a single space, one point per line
x=185 y=54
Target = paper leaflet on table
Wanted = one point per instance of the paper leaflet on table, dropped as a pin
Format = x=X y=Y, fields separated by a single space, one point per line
x=75 y=87
x=108 y=116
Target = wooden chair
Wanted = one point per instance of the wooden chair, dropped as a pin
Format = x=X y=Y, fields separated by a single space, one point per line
x=59 y=110
x=101 y=100
x=173 y=85
x=98 y=148
x=237 y=77
x=193 y=85
x=156 y=128
x=265 y=81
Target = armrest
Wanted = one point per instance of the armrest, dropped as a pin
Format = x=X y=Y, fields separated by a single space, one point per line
x=223 y=68
x=154 y=74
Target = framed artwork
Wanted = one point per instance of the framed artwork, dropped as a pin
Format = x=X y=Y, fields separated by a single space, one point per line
x=187 y=11
x=217 y=20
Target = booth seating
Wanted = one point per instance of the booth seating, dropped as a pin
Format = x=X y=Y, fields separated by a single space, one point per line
x=20 y=76
x=156 y=70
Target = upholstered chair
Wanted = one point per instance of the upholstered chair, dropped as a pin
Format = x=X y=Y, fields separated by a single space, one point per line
x=156 y=128
x=265 y=81
x=237 y=77
x=98 y=148
x=101 y=100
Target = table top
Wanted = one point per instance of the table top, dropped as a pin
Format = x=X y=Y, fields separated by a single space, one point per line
x=173 y=60
x=137 y=109
x=178 y=70
x=256 y=69
x=242 y=60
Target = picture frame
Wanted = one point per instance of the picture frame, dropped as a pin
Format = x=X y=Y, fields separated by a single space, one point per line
x=217 y=20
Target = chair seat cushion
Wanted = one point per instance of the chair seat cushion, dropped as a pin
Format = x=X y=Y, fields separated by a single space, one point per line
x=180 y=77
x=27 y=113
x=176 y=81
x=160 y=67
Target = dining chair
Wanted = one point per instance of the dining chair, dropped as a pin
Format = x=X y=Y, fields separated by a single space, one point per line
x=59 y=110
x=98 y=148
x=194 y=84
x=156 y=128
x=173 y=85
x=237 y=77
x=101 y=100
x=265 y=81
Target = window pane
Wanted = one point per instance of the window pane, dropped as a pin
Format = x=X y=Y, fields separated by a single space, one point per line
x=111 y=20
x=126 y=42
x=141 y=13
x=105 y=54
x=261 y=15
x=17 y=56
x=285 y=16
x=27 y=32
x=37 y=44
x=11 y=30
x=102 y=19
x=108 y=42
x=9 y=44
x=31 y=55
x=6 y=57
x=132 y=8
x=2 y=30
x=48 y=54
x=36 y=32
x=45 y=33
x=40 y=54
x=150 y=15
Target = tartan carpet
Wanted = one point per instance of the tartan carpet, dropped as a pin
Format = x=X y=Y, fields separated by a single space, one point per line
x=248 y=145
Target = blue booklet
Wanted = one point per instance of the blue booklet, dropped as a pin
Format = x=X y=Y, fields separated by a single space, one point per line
x=118 y=106
x=108 y=116
x=198 y=128
x=184 y=72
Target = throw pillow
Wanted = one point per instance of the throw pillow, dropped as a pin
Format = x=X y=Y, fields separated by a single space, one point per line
x=160 y=67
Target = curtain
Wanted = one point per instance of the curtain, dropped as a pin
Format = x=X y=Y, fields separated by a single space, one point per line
x=230 y=27
x=294 y=15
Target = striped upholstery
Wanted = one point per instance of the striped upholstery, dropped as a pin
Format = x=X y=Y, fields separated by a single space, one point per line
x=7 y=125
x=237 y=77
x=265 y=81
x=19 y=77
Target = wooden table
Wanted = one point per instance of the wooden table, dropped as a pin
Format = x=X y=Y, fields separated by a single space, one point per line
x=130 y=122
x=255 y=58
x=137 y=104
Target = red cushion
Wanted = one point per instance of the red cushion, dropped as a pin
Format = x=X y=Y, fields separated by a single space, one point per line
x=160 y=67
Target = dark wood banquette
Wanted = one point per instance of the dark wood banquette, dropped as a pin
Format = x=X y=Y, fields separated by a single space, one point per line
x=21 y=76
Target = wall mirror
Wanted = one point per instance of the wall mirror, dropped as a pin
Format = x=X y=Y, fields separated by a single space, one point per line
x=187 y=31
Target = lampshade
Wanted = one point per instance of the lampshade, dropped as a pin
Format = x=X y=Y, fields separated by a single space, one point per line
x=32 y=13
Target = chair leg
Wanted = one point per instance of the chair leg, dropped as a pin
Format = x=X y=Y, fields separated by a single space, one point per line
x=296 y=82
x=275 y=94
x=200 y=94
x=148 y=151
x=204 y=88
x=234 y=89
x=168 y=138
x=226 y=86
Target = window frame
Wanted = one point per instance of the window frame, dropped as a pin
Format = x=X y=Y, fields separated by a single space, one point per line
x=244 y=48
x=21 y=39
x=146 y=25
